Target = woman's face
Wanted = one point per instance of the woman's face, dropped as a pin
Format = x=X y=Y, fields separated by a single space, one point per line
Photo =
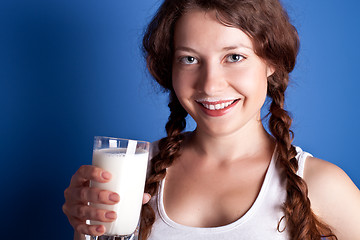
x=216 y=75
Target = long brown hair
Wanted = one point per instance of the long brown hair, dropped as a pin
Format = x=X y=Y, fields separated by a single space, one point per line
x=275 y=40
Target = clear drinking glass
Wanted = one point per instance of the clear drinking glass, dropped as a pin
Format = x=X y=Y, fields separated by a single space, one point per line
x=127 y=161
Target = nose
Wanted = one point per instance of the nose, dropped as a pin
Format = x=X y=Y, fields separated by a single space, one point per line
x=212 y=79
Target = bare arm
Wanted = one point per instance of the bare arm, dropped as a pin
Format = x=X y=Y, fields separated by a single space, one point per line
x=334 y=198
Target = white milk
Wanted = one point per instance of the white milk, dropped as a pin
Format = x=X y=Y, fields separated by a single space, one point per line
x=128 y=180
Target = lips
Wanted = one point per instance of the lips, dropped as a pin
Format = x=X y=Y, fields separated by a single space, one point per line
x=216 y=108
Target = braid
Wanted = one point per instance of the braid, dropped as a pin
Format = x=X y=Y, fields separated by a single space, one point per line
x=275 y=40
x=301 y=221
x=169 y=150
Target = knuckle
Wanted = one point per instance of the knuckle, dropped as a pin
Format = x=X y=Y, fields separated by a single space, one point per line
x=82 y=170
x=64 y=209
x=79 y=228
x=83 y=194
x=93 y=195
x=99 y=215
x=102 y=196
x=82 y=212
x=66 y=193
x=73 y=179
x=94 y=173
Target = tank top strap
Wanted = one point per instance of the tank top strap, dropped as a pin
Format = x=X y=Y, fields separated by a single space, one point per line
x=301 y=158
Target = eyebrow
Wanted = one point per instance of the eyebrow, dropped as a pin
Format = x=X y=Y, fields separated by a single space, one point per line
x=186 y=49
x=235 y=47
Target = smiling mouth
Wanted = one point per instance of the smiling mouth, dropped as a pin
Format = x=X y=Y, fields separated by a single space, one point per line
x=217 y=105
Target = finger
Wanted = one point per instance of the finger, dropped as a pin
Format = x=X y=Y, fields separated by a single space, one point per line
x=79 y=236
x=89 y=172
x=83 y=228
x=88 y=212
x=91 y=194
x=146 y=198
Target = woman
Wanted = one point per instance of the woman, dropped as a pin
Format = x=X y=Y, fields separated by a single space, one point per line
x=230 y=178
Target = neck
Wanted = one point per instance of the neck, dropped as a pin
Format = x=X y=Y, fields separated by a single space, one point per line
x=248 y=141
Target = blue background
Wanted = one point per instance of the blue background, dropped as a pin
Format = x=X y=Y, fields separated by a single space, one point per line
x=70 y=70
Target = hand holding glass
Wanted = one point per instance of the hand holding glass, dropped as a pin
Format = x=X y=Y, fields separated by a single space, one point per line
x=127 y=161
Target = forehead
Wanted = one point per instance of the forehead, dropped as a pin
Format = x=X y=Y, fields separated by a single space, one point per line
x=199 y=28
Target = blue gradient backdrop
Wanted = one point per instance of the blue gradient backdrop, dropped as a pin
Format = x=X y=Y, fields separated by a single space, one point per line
x=70 y=70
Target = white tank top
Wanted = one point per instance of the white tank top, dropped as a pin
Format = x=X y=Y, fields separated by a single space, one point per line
x=259 y=222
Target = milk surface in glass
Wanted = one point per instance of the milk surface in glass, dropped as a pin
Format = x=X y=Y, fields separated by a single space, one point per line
x=128 y=180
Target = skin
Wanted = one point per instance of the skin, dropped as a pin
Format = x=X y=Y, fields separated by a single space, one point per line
x=334 y=197
x=212 y=61
x=213 y=172
x=212 y=151
x=78 y=194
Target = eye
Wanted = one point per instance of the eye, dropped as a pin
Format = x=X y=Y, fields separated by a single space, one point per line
x=234 y=58
x=188 y=60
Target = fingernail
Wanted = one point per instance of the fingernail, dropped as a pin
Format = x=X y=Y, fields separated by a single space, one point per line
x=114 y=197
x=100 y=229
x=106 y=175
x=110 y=215
x=147 y=197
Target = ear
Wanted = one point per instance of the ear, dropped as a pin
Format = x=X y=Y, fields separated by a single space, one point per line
x=269 y=70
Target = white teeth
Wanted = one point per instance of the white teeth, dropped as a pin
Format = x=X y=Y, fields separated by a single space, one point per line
x=217 y=106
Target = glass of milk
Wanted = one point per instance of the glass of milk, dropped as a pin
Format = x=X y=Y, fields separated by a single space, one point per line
x=127 y=161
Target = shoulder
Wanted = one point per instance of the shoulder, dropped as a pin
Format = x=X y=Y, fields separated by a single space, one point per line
x=322 y=176
x=334 y=197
